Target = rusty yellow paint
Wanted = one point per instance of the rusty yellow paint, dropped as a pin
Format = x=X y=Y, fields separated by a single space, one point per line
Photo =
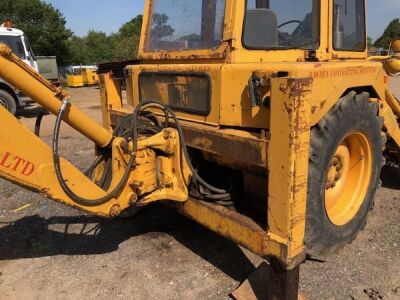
x=34 y=169
x=297 y=91
x=299 y=87
x=90 y=77
x=390 y=122
x=39 y=174
x=111 y=97
x=288 y=160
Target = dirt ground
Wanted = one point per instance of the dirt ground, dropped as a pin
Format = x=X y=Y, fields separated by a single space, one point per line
x=48 y=251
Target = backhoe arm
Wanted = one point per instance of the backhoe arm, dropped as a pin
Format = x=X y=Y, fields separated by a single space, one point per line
x=156 y=173
x=24 y=78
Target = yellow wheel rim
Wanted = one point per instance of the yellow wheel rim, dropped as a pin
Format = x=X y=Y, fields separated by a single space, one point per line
x=348 y=178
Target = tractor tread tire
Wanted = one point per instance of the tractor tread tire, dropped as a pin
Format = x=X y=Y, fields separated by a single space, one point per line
x=353 y=112
x=10 y=101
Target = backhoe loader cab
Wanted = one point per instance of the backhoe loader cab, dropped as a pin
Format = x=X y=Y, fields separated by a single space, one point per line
x=273 y=97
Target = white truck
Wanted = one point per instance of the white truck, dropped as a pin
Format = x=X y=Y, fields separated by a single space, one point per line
x=11 y=98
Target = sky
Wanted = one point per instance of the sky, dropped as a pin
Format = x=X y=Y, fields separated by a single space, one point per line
x=108 y=16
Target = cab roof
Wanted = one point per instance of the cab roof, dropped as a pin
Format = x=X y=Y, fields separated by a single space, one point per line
x=10 y=31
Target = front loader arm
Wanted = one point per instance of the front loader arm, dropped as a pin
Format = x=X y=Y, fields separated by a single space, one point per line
x=28 y=161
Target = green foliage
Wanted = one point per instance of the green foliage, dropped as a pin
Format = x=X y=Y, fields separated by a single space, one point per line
x=391 y=32
x=370 y=43
x=45 y=27
x=125 y=43
x=42 y=23
x=97 y=47
x=160 y=29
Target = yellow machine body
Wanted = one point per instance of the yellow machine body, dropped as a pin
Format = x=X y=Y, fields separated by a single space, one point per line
x=90 y=77
x=75 y=81
x=84 y=77
x=271 y=141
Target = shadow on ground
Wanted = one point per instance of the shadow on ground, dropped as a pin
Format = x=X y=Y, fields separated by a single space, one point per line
x=31 y=110
x=33 y=236
x=390 y=177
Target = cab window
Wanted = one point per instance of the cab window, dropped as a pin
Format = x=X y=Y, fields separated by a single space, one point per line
x=15 y=43
x=281 y=24
x=349 y=25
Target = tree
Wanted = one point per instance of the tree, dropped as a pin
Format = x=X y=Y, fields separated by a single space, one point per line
x=42 y=23
x=160 y=29
x=125 y=42
x=45 y=27
x=97 y=47
x=78 y=52
x=391 y=32
x=370 y=43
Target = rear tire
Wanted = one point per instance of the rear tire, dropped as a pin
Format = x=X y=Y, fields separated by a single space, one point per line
x=344 y=170
x=8 y=101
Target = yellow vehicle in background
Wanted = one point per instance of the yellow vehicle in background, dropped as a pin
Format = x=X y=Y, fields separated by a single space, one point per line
x=265 y=121
x=83 y=76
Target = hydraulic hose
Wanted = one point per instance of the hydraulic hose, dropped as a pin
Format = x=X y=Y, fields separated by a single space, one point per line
x=220 y=193
x=56 y=158
x=128 y=128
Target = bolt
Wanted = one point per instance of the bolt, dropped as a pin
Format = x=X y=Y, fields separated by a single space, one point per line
x=132 y=198
x=166 y=134
x=169 y=184
x=362 y=157
x=115 y=210
x=135 y=184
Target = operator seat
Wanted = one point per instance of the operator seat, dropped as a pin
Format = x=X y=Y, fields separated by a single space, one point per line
x=261 y=29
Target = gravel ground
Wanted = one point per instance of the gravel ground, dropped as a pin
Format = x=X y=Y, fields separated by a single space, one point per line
x=49 y=251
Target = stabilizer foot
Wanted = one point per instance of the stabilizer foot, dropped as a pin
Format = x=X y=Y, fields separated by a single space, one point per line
x=270 y=282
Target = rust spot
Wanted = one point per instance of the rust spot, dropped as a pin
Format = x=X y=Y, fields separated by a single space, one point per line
x=313 y=109
x=203 y=143
x=322 y=104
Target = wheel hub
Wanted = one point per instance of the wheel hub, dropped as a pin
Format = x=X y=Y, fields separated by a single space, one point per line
x=348 y=178
x=334 y=173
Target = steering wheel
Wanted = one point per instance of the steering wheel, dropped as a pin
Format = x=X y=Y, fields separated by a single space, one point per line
x=291 y=22
x=286 y=39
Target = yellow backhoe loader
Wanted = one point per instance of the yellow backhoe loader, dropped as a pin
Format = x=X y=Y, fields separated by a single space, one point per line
x=265 y=121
